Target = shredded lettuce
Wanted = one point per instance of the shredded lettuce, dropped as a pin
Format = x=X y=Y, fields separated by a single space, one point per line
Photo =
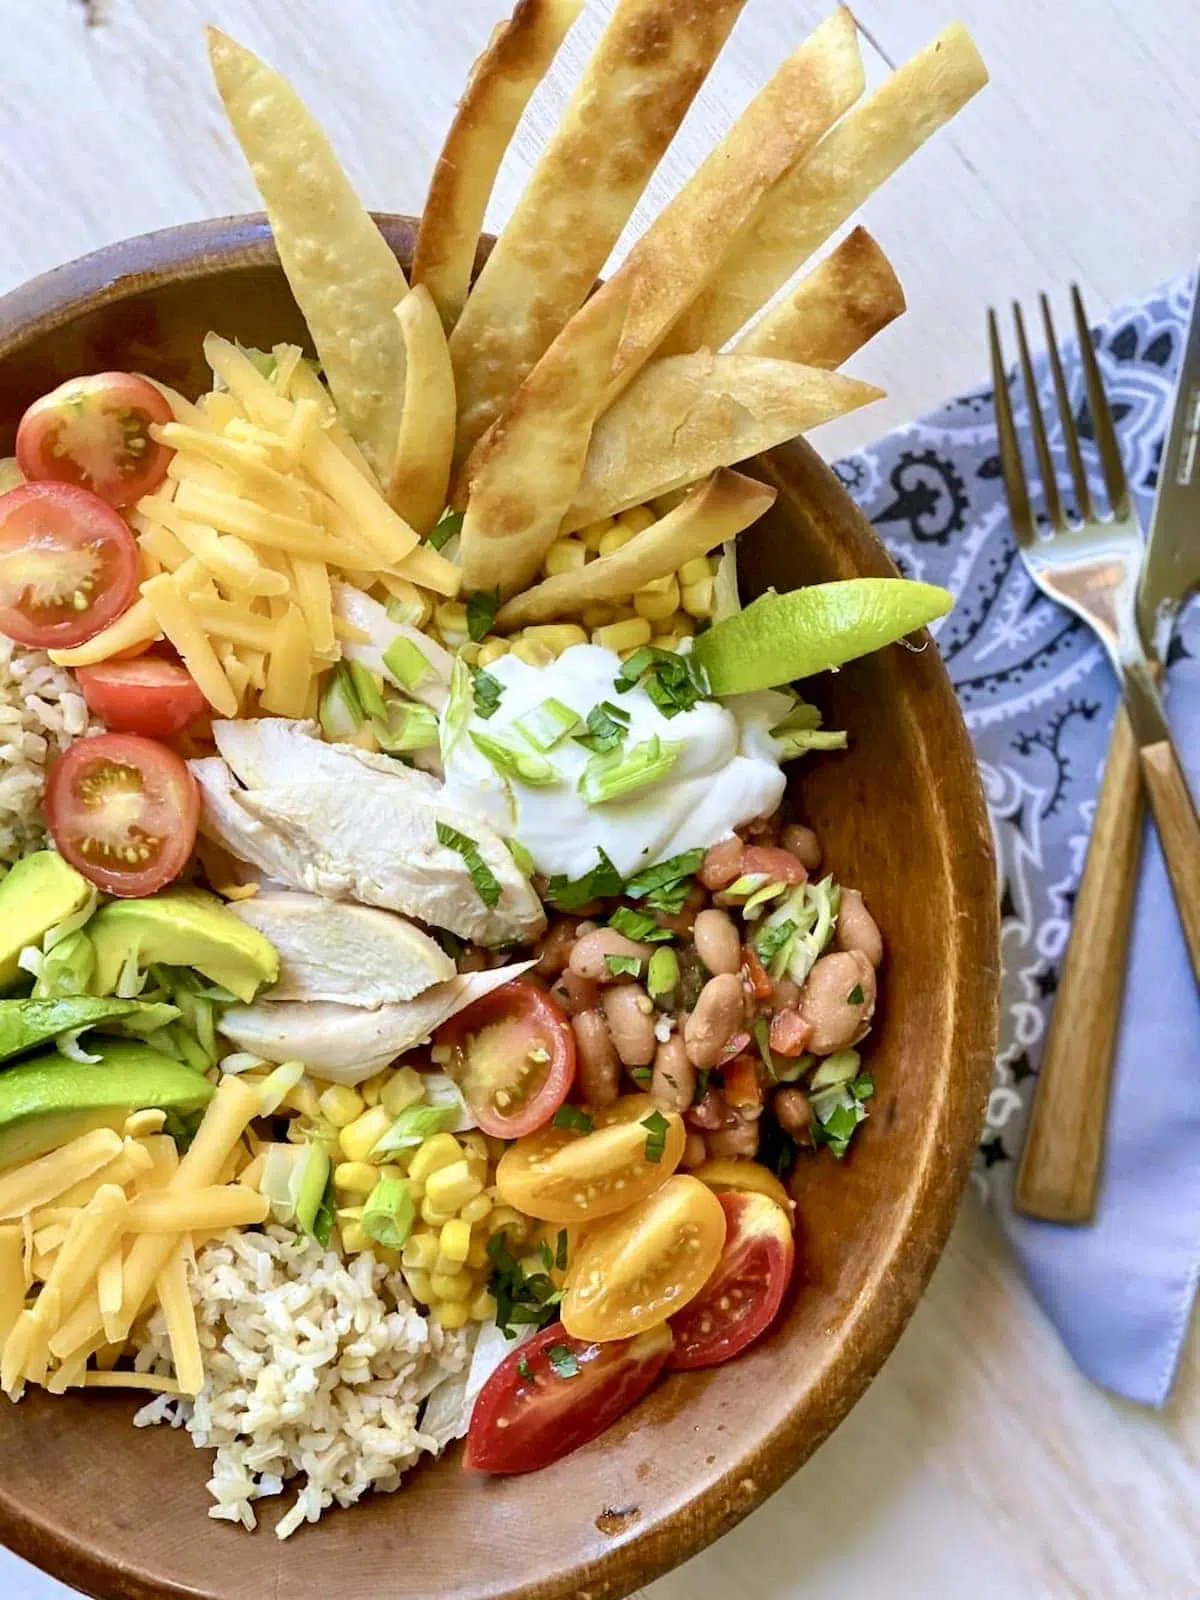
x=800 y=731
x=790 y=939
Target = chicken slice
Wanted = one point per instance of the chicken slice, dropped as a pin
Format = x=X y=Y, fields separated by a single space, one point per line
x=348 y=1044
x=224 y=819
x=269 y=750
x=334 y=950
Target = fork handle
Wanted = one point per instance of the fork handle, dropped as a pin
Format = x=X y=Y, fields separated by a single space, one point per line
x=1178 y=833
x=1059 y=1175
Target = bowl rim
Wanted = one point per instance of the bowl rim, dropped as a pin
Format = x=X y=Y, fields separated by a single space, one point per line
x=898 y=1276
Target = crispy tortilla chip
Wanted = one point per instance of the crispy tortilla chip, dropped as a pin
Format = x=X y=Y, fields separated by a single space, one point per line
x=715 y=510
x=684 y=416
x=497 y=92
x=811 y=201
x=685 y=244
x=832 y=312
x=421 y=466
x=529 y=467
x=342 y=272
x=641 y=79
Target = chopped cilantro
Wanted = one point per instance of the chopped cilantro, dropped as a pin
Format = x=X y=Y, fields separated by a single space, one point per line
x=562 y=1361
x=669 y=875
x=606 y=725
x=482 y=607
x=446 y=529
x=770 y=939
x=560 y=1251
x=573 y=1118
x=855 y=997
x=623 y=966
x=656 y=1126
x=487 y=885
x=674 y=683
x=638 y=925
x=522 y=1299
x=762 y=1031
x=640 y=1074
x=603 y=882
x=487 y=694
x=525 y=1370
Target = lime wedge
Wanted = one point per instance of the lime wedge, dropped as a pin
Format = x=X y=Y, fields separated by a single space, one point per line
x=781 y=637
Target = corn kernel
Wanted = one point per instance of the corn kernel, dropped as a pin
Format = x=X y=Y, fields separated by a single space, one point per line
x=491 y=649
x=354 y=1238
x=434 y=1215
x=616 y=537
x=419 y=1283
x=389 y=1258
x=618 y=636
x=456 y=1240
x=639 y=518
x=532 y=653
x=483 y=1307
x=442 y=1150
x=361 y=1136
x=449 y=1313
x=598 y=615
x=555 y=636
x=698 y=598
x=664 y=641
x=505 y=1220
x=355 y=1177
x=416 y=1189
x=452 y=1186
x=403 y=1089
x=681 y=624
x=475 y=1210
x=477 y=1256
x=450 y=1285
x=564 y=555
x=420 y=1250
x=340 y=1105
x=694 y=571
x=450 y=617
x=594 y=532
x=655 y=604
x=302 y=1097
x=475 y=1144
x=372 y=1089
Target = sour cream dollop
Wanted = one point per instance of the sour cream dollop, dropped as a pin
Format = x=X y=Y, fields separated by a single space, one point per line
x=725 y=773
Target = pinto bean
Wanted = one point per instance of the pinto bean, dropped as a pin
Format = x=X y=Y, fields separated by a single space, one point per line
x=722 y=863
x=793 y=1112
x=736 y=1140
x=629 y=1013
x=826 y=1005
x=473 y=959
x=554 y=948
x=717 y=1016
x=709 y=1112
x=674 y=1080
x=763 y=829
x=857 y=928
x=803 y=843
x=575 y=994
x=784 y=993
x=717 y=941
x=588 y=956
x=781 y=866
x=695 y=1151
x=598 y=1071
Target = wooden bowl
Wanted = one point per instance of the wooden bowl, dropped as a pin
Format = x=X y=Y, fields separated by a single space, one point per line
x=120 y=1513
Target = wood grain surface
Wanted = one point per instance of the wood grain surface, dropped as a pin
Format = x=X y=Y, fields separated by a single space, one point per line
x=1175 y=818
x=980 y=1463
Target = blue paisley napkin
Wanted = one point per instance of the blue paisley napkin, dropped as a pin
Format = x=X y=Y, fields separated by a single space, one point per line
x=1038 y=696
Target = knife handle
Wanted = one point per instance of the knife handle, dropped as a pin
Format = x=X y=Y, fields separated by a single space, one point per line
x=1059 y=1175
x=1179 y=835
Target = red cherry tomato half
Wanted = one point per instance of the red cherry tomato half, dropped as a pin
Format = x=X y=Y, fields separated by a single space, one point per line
x=743 y=1296
x=514 y=1058
x=68 y=565
x=123 y=811
x=556 y=1393
x=95 y=433
x=780 y=866
x=148 y=695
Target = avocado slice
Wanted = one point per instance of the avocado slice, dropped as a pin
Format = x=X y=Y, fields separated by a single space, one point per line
x=48 y=1100
x=26 y=1024
x=182 y=928
x=40 y=891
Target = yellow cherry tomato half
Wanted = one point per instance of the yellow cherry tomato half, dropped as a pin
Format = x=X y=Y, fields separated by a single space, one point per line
x=745 y=1177
x=635 y=1270
x=558 y=1175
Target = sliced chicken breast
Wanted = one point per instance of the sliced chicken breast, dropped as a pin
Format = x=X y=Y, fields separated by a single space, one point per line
x=269 y=750
x=347 y=1044
x=335 y=950
x=224 y=819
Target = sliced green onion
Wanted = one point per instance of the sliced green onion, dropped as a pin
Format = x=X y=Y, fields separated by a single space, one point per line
x=511 y=761
x=413 y=1126
x=656 y=1126
x=406 y=662
x=798 y=732
x=447 y=528
x=389 y=1213
x=526 y=865
x=624 y=966
x=662 y=978
x=547 y=725
x=408 y=613
x=750 y=883
x=792 y=1068
x=318 y=1220
x=367 y=687
x=277 y=1085
x=762 y=1037
x=459 y=706
x=406 y=727
x=621 y=772
x=487 y=885
x=340 y=711
x=573 y=1118
x=836 y=1070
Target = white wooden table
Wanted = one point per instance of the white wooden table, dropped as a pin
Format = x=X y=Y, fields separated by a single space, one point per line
x=980 y=1462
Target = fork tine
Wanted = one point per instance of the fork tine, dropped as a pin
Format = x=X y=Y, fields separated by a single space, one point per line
x=1015 y=486
x=1115 y=484
x=1083 y=495
x=1054 y=506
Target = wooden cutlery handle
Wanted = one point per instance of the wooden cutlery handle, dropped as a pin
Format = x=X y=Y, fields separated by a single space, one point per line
x=1059 y=1175
x=1179 y=835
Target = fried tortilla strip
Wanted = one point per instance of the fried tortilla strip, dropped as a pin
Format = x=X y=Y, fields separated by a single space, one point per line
x=809 y=203
x=685 y=244
x=497 y=92
x=684 y=416
x=639 y=82
x=342 y=272
x=421 y=466
x=832 y=312
x=529 y=467
x=715 y=510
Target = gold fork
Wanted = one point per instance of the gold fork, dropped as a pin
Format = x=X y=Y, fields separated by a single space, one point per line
x=1091 y=566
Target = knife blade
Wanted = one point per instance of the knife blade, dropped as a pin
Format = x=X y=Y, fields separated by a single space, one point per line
x=1171 y=565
